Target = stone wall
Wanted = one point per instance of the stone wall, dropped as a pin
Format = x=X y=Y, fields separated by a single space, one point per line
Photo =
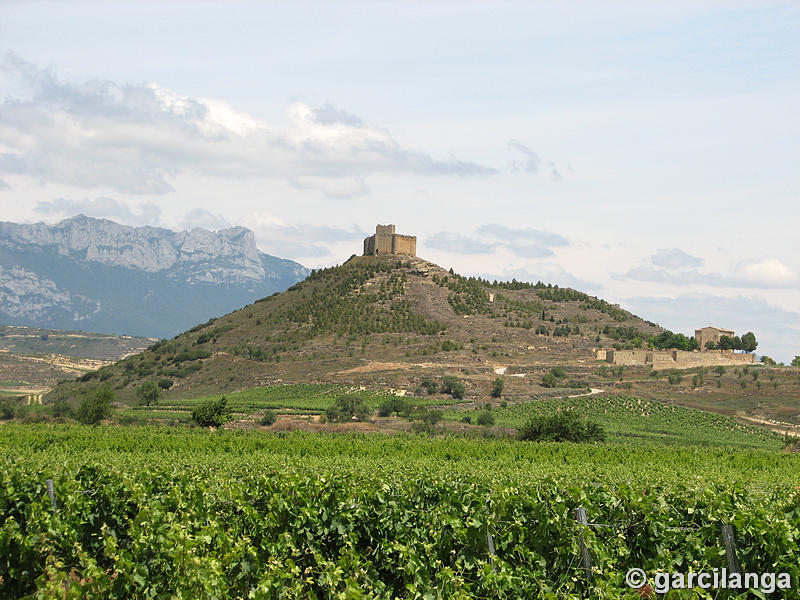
x=674 y=359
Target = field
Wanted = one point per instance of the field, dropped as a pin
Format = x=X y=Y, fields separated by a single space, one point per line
x=157 y=512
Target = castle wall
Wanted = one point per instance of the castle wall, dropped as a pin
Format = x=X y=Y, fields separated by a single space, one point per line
x=386 y=241
x=675 y=359
x=626 y=357
x=404 y=244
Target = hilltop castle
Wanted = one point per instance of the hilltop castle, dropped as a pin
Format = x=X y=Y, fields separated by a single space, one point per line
x=386 y=241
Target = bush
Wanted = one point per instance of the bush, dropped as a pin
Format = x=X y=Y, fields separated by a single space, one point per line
x=485 y=418
x=392 y=406
x=212 y=413
x=451 y=385
x=269 y=418
x=561 y=427
x=466 y=419
x=558 y=372
x=348 y=408
x=674 y=377
x=148 y=393
x=430 y=385
x=549 y=380
x=497 y=388
x=96 y=406
x=165 y=383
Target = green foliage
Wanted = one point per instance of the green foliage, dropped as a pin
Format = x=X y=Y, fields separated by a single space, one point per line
x=749 y=343
x=497 y=387
x=451 y=385
x=485 y=417
x=561 y=427
x=558 y=372
x=212 y=413
x=148 y=393
x=677 y=341
x=95 y=406
x=165 y=383
x=247 y=514
x=268 y=419
x=429 y=385
x=766 y=360
x=343 y=305
x=395 y=405
x=796 y=361
x=549 y=380
x=674 y=377
x=348 y=407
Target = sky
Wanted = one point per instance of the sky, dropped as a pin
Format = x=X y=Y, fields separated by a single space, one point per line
x=643 y=152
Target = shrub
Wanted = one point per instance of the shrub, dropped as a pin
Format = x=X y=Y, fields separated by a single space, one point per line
x=497 y=388
x=392 y=406
x=212 y=413
x=269 y=418
x=348 y=408
x=165 y=383
x=561 y=427
x=466 y=419
x=549 y=380
x=558 y=372
x=148 y=393
x=674 y=377
x=430 y=385
x=96 y=406
x=451 y=385
x=485 y=418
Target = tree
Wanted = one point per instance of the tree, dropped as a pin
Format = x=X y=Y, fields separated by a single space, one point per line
x=561 y=427
x=348 y=407
x=485 y=418
x=451 y=385
x=749 y=343
x=96 y=406
x=497 y=388
x=148 y=393
x=212 y=413
x=796 y=361
x=269 y=418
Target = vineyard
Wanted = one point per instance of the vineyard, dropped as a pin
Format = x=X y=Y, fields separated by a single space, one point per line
x=141 y=512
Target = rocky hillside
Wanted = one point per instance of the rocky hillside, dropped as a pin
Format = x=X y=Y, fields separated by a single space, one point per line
x=385 y=321
x=97 y=275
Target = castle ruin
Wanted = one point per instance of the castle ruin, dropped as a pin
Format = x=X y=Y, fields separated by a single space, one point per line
x=386 y=241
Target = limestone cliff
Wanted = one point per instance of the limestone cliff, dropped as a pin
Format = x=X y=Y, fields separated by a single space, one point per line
x=100 y=275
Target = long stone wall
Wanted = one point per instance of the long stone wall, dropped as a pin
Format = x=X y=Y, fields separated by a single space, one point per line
x=674 y=359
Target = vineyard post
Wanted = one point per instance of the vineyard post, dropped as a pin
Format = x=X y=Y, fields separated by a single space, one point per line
x=730 y=547
x=51 y=493
x=490 y=544
x=586 y=559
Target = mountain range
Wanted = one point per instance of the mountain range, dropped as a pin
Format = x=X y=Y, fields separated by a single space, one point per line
x=97 y=275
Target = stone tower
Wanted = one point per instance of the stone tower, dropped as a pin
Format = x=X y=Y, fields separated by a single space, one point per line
x=386 y=241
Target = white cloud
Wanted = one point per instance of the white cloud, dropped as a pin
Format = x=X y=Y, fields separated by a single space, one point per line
x=133 y=138
x=766 y=272
x=204 y=219
x=144 y=214
x=677 y=268
x=674 y=258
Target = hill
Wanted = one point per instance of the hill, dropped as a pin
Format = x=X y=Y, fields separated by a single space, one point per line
x=383 y=321
x=97 y=275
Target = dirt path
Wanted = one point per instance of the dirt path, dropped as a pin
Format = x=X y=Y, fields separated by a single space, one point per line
x=591 y=393
x=776 y=426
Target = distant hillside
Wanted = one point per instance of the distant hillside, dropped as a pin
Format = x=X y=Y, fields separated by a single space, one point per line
x=97 y=275
x=75 y=344
x=382 y=320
